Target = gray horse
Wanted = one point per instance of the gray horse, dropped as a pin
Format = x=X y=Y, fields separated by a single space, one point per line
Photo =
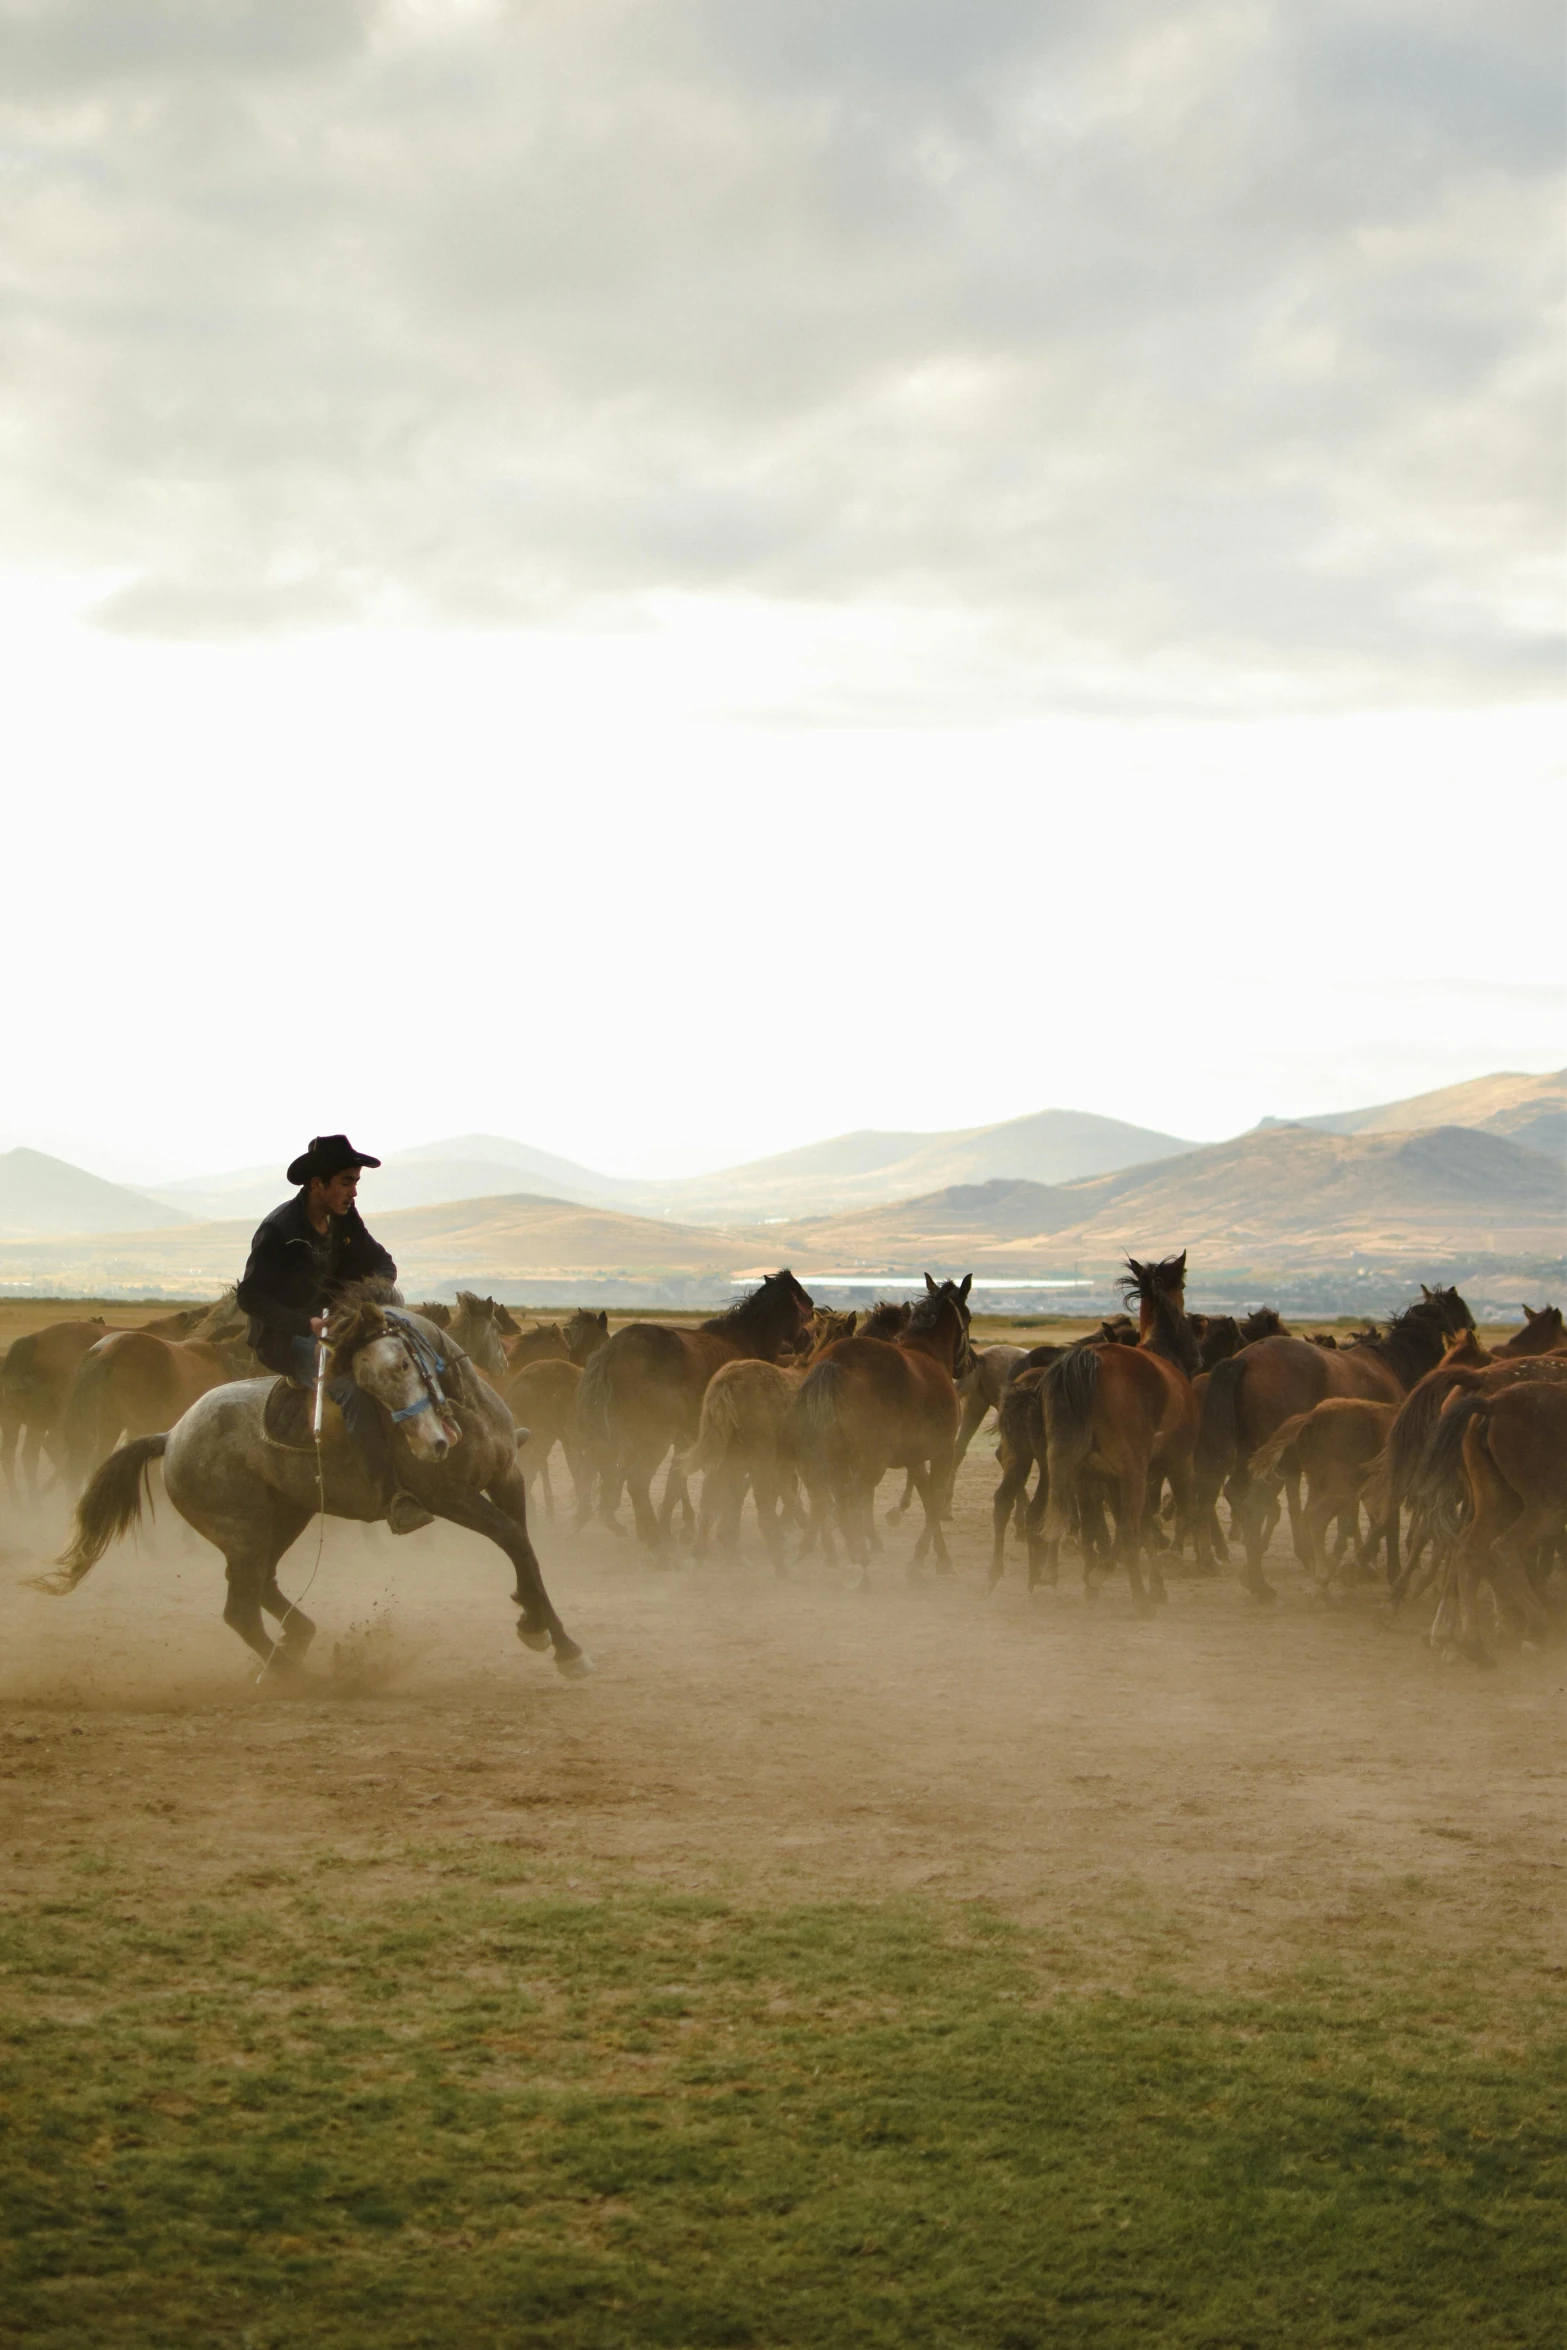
x=456 y=1450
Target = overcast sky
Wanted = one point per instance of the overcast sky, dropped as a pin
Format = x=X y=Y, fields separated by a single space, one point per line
x=668 y=577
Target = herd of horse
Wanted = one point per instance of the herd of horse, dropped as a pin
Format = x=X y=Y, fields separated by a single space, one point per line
x=1409 y=1439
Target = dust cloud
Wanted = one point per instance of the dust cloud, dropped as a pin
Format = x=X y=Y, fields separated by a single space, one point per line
x=1260 y=1774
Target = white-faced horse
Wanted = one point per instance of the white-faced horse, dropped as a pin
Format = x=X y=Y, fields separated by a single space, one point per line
x=454 y=1444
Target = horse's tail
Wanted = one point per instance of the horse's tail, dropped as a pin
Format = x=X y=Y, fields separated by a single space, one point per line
x=1410 y=1435
x=18 y=1373
x=1067 y=1394
x=1437 y=1482
x=1268 y=1460
x=109 y=1508
x=719 y=1428
x=86 y=1439
x=814 y=1408
x=1219 y=1433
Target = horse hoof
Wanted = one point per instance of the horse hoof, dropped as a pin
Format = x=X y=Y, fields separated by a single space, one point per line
x=575 y=1667
x=1264 y=1593
x=532 y=1636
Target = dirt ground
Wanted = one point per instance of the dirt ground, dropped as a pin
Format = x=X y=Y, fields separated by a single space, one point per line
x=1259 y=1776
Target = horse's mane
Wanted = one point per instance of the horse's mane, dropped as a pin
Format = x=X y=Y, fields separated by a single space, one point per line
x=886 y=1318
x=1158 y=1287
x=745 y=1310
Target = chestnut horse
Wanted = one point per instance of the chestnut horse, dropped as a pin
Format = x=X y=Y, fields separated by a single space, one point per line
x=132 y=1384
x=642 y=1392
x=868 y=1405
x=1336 y=1446
x=1250 y=1397
x=1126 y=1414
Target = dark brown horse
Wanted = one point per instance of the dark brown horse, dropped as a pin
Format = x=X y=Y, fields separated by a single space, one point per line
x=1270 y=1381
x=586 y=1332
x=1126 y=1414
x=641 y=1394
x=34 y=1380
x=868 y=1405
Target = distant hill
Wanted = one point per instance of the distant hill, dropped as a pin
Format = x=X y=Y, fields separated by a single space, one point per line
x=1281 y=1193
x=40 y=1194
x=1530 y=1110
x=860 y=1169
x=464 y=1167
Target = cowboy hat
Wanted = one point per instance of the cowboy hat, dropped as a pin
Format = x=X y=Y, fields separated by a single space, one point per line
x=328 y=1155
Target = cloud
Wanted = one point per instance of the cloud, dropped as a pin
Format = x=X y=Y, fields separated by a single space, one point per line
x=1192 y=353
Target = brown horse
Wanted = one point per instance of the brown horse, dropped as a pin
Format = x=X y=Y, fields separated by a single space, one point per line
x=34 y=1380
x=1273 y=1379
x=1336 y=1446
x=1421 y=1466
x=1126 y=1414
x=132 y=1384
x=1020 y=1444
x=1514 y=1454
x=586 y=1332
x=543 y=1400
x=868 y=1405
x=740 y=1442
x=541 y=1342
x=641 y=1394
x=1542 y=1334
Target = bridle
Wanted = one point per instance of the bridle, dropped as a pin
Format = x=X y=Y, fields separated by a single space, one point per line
x=427 y=1360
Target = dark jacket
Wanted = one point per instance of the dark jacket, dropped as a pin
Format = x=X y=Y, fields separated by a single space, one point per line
x=280 y=1290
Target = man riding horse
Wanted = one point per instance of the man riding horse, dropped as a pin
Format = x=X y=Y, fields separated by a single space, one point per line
x=302 y=1256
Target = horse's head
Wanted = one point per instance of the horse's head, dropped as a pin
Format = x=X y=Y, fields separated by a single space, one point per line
x=948 y=1298
x=1452 y=1315
x=585 y=1333
x=475 y=1328
x=784 y=1284
x=393 y=1360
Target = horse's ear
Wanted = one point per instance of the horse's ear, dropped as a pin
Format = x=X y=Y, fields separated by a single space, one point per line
x=604 y=1318
x=853 y=1323
x=1529 y=1314
x=1426 y=1292
x=966 y=1285
x=1180 y=1264
x=930 y=1286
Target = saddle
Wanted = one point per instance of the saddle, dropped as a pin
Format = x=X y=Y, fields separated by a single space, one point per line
x=288 y=1412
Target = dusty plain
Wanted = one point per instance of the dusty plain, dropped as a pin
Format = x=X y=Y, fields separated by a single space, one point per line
x=836 y=1965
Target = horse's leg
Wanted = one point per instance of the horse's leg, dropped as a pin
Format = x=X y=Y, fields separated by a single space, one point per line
x=502 y=1514
x=1014 y=1480
x=289 y=1520
x=767 y=1494
x=638 y=1466
x=933 y=1481
x=1248 y=1520
x=975 y=1407
x=899 y=1509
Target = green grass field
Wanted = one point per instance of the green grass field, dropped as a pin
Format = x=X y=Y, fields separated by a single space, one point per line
x=459 y=2102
